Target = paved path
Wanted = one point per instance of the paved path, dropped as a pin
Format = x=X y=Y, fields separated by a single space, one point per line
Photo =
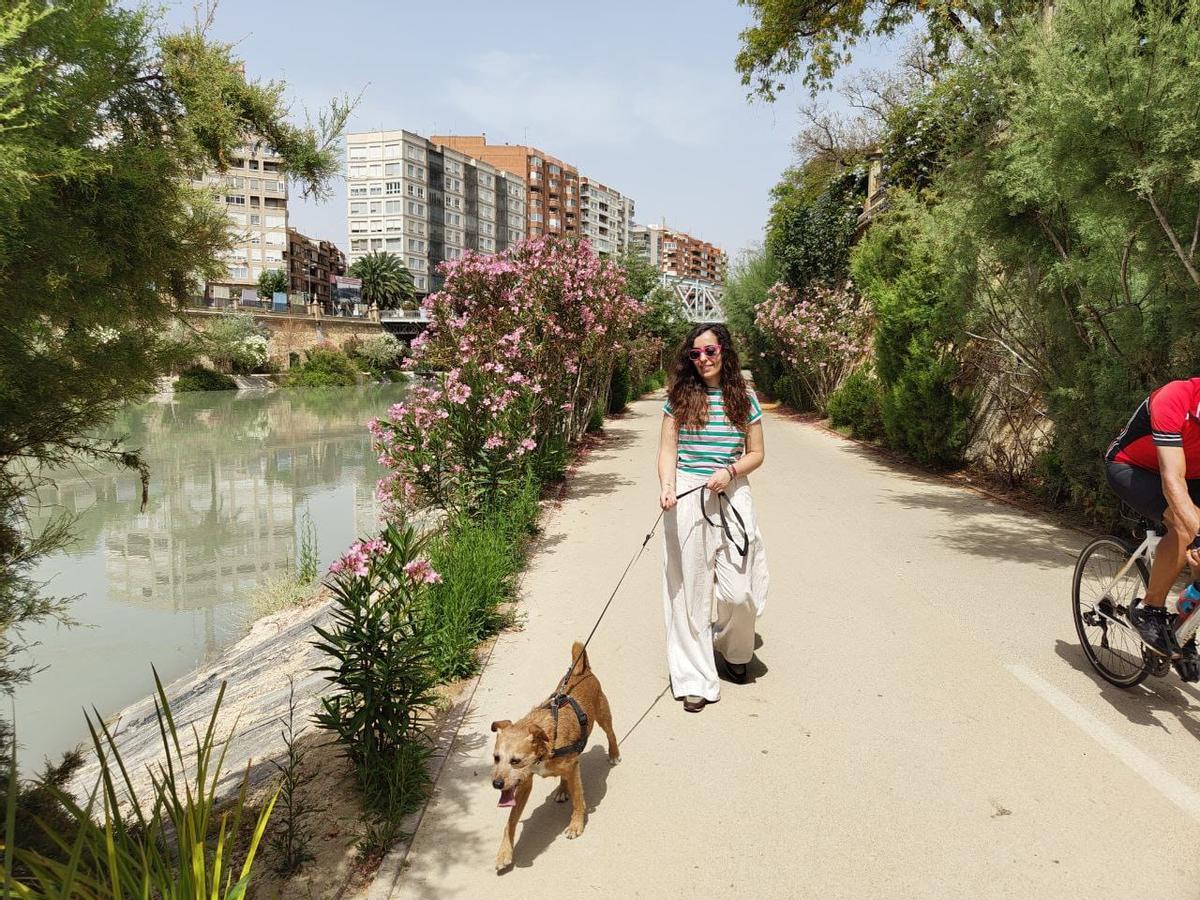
x=922 y=724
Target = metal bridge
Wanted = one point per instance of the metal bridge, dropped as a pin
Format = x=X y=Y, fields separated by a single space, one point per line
x=701 y=300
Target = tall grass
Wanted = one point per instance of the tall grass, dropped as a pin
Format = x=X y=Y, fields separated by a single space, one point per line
x=176 y=843
x=479 y=560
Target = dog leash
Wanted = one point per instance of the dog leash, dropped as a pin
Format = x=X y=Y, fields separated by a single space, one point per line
x=742 y=549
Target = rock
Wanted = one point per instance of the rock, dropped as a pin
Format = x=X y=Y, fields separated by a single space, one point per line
x=255 y=671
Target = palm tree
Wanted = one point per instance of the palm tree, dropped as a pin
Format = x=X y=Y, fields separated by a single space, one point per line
x=386 y=281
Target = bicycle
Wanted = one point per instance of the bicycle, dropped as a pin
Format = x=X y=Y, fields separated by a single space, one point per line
x=1103 y=589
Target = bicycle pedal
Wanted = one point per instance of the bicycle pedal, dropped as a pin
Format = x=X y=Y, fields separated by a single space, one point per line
x=1160 y=666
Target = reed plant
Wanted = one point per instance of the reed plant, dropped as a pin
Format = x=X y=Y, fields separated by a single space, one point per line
x=178 y=842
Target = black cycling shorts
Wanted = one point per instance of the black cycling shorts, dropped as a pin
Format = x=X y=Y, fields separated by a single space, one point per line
x=1142 y=489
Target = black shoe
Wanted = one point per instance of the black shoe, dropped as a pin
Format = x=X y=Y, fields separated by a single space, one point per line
x=1153 y=624
x=1188 y=664
x=693 y=703
x=737 y=672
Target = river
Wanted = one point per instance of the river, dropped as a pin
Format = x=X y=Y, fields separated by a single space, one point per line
x=231 y=478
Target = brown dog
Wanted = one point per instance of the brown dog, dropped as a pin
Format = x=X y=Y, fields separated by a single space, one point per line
x=535 y=746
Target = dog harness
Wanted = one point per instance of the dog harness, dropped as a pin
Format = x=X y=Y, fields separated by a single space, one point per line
x=554 y=704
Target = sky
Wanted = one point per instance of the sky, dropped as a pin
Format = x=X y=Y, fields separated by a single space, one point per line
x=641 y=95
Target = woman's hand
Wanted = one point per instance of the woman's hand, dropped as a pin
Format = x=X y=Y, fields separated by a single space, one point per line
x=719 y=480
x=666 y=499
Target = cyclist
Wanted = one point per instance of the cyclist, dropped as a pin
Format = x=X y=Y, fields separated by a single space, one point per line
x=1154 y=466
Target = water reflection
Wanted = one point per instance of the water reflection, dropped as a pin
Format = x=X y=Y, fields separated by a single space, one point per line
x=231 y=478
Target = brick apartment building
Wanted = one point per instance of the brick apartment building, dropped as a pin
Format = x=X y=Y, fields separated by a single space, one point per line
x=552 y=198
x=311 y=266
x=678 y=254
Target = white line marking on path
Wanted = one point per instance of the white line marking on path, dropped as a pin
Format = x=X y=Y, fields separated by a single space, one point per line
x=1138 y=760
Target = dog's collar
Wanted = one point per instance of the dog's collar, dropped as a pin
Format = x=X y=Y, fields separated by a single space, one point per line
x=554 y=704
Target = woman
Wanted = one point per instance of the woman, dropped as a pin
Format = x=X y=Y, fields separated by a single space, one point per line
x=712 y=593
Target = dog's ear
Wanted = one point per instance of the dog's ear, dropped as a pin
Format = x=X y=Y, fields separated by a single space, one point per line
x=541 y=743
x=502 y=724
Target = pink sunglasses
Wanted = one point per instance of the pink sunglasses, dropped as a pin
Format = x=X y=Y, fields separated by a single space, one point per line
x=710 y=351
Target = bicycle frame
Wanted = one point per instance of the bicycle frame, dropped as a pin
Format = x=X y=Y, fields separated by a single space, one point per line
x=1145 y=551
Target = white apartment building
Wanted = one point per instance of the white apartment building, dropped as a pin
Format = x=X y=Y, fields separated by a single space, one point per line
x=606 y=217
x=427 y=203
x=254 y=192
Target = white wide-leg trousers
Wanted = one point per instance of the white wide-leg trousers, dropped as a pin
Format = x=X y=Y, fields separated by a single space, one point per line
x=712 y=595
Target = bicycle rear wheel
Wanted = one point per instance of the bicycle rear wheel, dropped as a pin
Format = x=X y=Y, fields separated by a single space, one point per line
x=1100 y=605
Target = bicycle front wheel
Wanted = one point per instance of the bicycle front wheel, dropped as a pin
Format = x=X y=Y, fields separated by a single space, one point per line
x=1100 y=604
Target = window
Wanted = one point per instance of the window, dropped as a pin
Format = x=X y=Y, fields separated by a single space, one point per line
x=514 y=221
x=376 y=190
x=392 y=151
x=375 y=151
x=419 y=282
x=376 y=243
x=487 y=244
x=276 y=222
x=255 y=254
x=454 y=167
x=416 y=153
x=254 y=201
x=553 y=223
x=416 y=209
x=393 y=225
x=513 y=236
x=358 y=171
x=254 y=238
x=415 y=245
x=358 y=245
x=376 y=226
x=393 y=207
x=514 y=190
x=375 y=170
x=273 y=255
x=415 y=190
x=392 y=170
x=376 y=208
x=358 y=190
x=533 y=217
x=487 y=228
x=453 y=218
x=487 y=196
x=358 y=226
x=358 y=152
x=453 y=236
x=358 y=209
x=487 y=179
x=553 y=169
x=417 y=228
x=454 y=184
x=416 y=264
x=453 y=203
x=276 y=239
x=235 y=199
x=416 y=172
x=536 y=162
x=453 y=252
x=240 y=273
x=487 y=212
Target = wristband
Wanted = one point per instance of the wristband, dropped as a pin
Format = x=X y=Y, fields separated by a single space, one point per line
x=732 y=471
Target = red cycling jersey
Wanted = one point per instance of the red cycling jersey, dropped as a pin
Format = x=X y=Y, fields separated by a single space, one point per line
x=1169 y=417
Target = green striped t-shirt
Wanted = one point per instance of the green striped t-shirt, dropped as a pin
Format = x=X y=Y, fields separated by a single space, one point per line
x=718 y=444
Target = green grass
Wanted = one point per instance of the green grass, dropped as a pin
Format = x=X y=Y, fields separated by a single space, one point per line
x=479 y=562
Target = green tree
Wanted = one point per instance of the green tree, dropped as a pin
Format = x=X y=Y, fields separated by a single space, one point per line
x=105 y=126
x=386 y=281
x=271 y=282
x=641 y=275
x=746 y=286
x=815 y=37
x=812 y=225
x=235 y=342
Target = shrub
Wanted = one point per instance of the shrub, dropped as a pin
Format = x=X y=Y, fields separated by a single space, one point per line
x=323 y=368
x=857 y=404
x=596 y=419
x=380 y=354
x=198 y=378
x=619 y=387
x=379 y=668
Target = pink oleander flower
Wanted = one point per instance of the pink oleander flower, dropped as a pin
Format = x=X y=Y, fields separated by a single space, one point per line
x=420 y=571
x=459 y=393
x=493 y=442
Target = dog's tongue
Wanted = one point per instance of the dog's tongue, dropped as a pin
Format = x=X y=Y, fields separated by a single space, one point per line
x=508 y=797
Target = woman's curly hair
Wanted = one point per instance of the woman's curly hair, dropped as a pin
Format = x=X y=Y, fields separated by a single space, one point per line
x=688 y=392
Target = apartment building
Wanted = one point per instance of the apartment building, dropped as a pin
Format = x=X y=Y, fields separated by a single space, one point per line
x=678 y=254
x=427 y=203
x=552 y=198
x=606 y=216
x=312 y=265
x=254 y=192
